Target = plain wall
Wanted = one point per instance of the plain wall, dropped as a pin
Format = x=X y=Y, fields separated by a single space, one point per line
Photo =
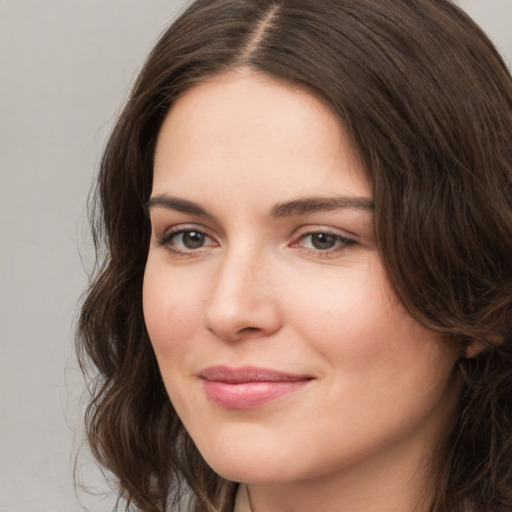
x=65 y=67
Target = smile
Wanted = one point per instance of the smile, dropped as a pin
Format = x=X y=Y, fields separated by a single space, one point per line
x=248 y=387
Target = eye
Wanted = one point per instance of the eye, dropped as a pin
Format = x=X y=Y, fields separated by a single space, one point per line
x=189 y=239
x=186 y=240
x=323 y=243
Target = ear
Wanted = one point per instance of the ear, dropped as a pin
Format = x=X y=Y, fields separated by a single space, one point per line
x=475 y=348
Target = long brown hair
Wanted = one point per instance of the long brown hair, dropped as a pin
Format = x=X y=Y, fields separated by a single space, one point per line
x=427 y=101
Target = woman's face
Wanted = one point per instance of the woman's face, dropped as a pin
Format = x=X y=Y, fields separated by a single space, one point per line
x=282 y=346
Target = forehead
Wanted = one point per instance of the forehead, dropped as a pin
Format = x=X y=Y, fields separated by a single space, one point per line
x=259 y=135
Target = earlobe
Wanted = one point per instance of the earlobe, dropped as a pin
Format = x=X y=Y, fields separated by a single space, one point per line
x=474 y=349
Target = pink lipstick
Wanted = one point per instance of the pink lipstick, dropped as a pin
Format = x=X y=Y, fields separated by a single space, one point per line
x=247 y=387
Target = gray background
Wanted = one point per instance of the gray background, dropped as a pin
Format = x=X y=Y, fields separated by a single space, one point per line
x=65 y=68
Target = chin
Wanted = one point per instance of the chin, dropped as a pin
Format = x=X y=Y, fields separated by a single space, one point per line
x=249 y=462
x=250 y=473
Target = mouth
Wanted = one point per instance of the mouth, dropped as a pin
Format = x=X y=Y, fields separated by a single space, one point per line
x=248 y=387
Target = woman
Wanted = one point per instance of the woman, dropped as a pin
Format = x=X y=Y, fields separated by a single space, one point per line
x=306 y=298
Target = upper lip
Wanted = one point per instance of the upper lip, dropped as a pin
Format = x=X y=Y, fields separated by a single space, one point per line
x=221 y=373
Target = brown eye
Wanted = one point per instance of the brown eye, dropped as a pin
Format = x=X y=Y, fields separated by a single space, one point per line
x=192 y=239
x=186 y=240
x=323 y=241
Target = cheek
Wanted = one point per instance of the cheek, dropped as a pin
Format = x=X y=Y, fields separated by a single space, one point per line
x=345 y=310
x=356 y=322
x=172 y=307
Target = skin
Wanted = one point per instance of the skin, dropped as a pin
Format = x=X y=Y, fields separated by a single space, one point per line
x=257 y=290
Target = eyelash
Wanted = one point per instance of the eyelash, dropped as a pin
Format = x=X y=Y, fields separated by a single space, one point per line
x=167 y=239
x=342 y=243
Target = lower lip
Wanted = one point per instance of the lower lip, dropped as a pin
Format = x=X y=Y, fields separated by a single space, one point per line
x=246 y=395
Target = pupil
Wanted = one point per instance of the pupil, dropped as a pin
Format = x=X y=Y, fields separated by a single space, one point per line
x=193 y=239
x=323 y=241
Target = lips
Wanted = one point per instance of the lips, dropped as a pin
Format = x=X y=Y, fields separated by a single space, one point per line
x=248 y=387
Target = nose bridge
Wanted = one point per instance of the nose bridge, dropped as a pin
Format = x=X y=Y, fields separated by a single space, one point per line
x=241 y=299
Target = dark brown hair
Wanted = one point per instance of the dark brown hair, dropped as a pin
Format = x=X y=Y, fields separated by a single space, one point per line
x=428 y=103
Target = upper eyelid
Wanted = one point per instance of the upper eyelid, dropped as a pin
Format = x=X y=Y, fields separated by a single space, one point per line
x=300 y=231
x=159 y=210
x=165 y=241
x=344 y=240
x=330 y=233
x=163 y=224
x=187 y=226
x=165 y=238
x=297 y=233
x=312 y=229
x=342 y=246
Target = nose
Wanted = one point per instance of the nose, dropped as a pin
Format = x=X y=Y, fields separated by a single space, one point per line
x=244 y=301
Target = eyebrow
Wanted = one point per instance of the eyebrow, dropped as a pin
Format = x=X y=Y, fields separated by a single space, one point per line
x=316 y=204
x=178 y=204
x=280 y=210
